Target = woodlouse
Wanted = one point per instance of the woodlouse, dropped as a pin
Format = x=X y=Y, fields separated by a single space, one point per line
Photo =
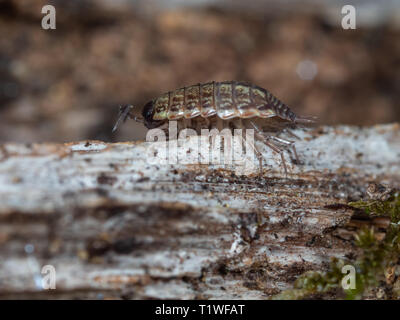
x=230 y=104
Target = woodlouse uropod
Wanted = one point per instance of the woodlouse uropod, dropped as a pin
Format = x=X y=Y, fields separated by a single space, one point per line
x=229 y=104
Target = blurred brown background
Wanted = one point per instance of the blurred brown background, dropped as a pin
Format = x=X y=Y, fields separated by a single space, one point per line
x=66 y=84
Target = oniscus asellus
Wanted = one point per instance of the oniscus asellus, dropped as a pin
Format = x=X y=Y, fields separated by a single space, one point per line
x=227 y=104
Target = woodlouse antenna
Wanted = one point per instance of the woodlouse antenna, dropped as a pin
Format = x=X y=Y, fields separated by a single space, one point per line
x=125 y=113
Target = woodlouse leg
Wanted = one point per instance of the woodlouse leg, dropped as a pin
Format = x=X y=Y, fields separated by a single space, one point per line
x=197 y=126
x=187 y=124
x=294 y=148
x=182 y=125
x=208 y=123
x=254 y=147
x=268 y=143
x=191 y=124
x=290 y=133
x=220 y=124
x=213 y=132
x=276 y=149
x=288 y=143
x=258 y=155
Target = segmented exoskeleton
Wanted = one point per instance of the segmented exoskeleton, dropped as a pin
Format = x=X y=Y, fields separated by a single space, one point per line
x=229 y=103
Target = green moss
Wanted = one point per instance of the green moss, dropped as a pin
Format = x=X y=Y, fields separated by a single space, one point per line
x=389 y=208
x=376 y=256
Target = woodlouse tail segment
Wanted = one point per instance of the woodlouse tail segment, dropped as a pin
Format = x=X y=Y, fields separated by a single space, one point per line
x=125 y=113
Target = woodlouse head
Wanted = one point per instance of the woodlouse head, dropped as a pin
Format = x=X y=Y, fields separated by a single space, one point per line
x=148 y=113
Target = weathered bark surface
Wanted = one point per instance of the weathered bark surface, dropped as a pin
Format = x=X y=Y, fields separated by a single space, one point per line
x=114 y=225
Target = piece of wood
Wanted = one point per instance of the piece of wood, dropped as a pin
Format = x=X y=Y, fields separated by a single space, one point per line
x=115 y=226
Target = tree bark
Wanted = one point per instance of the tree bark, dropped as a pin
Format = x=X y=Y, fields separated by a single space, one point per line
x=115 y=226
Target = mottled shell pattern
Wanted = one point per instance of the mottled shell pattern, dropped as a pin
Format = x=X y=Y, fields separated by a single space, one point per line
x=227 y=100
